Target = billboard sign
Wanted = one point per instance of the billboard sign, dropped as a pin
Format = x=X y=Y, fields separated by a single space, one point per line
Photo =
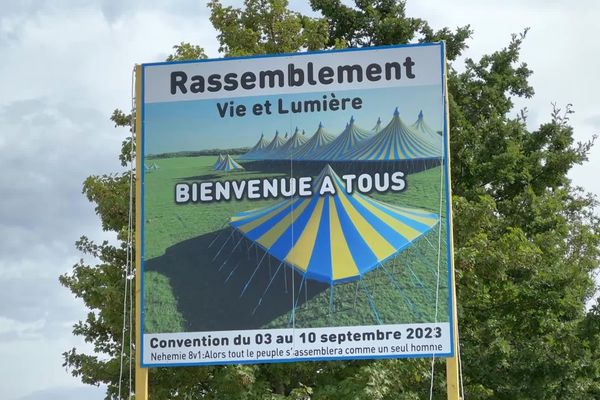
x=295 y=207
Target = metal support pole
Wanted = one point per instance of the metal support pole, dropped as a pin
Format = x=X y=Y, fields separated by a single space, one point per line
x=452 y=364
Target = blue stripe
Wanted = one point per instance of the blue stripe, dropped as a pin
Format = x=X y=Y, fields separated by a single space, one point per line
x=396 y=147
x=417 y=144
x=261 y=229
x=416 y=213
x=319 y=266
x=416 y=225
x=402 y=146
x=262 y=210
x=380 y=149
x=363 y=257
x=260 y=213
x=284 y=244
x=390 y=234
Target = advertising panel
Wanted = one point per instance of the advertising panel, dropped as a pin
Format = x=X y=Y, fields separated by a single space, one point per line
x=296 y=207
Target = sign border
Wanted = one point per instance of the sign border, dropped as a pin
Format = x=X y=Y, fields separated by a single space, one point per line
x=140 y=142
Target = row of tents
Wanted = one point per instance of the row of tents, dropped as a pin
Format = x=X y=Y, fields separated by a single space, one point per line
x=395 y=141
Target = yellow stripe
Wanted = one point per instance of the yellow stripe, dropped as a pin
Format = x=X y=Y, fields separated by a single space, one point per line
x=270 y=236
x=253 y=224
x=342 y=263
x=300 y=254
x=377 y=243
x=248 y=214
x=382 y=155
x=399 y=226
x=404 y=211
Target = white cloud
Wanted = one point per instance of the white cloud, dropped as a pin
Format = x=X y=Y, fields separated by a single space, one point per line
x=69 y=65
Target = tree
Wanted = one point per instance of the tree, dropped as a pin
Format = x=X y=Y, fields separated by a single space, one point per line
x=526 y=240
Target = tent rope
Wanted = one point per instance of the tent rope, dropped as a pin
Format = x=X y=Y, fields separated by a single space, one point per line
x=268 y=286
x=395 y=283
x=439 y=254
x=223 y=246
x=218 y=236
x=128 y=272
x=331 y=299
x=232 y=272
x=230 y=254
x=420 y=283
x=293 y=316
x=371 y=303
x=254 y=273
x=292 y=320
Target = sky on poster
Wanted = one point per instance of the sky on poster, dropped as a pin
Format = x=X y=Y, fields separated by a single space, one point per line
x=66 y=65
x=197 y=125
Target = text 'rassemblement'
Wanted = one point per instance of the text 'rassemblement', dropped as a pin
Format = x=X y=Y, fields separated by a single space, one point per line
x=292 y=76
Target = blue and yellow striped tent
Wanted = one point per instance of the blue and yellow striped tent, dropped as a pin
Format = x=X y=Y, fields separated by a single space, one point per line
x=396 y=142
x=342 y=145
x=333 y=238
x=217 y=164
x=421 y=127
x=151 y=167
x=228 y=164
x=255 y=152
x=289 y=148
x=318 y=140
x=377 y=126
x=272 y=148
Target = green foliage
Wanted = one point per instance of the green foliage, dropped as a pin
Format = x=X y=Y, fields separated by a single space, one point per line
x=186 y=51
x=375 y=23
x=526 y=240
x=264 y=27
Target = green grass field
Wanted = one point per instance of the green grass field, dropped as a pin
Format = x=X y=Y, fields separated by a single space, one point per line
x=187 y=288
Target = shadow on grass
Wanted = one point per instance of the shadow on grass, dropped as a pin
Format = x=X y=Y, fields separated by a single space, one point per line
x=209 y=292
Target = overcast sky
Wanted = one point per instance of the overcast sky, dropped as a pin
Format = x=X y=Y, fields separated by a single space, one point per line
x=66 y=64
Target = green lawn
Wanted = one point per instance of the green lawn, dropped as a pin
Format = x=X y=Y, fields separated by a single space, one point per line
x=187 y=288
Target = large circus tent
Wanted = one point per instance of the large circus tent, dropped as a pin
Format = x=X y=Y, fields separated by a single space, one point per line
x=397 y=141
x=331 y=238
x=423 y=128
x=273 y=147
x=344 y=143
x=290 y=147
x=256 y=151
x=219 y=162
x=319 y=139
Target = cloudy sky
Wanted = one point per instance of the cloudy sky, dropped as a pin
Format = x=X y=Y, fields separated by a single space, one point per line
x=66 y=64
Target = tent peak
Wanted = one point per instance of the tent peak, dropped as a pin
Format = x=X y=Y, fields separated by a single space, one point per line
x=326 y=171
x=396 y=112
x=421 y=114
